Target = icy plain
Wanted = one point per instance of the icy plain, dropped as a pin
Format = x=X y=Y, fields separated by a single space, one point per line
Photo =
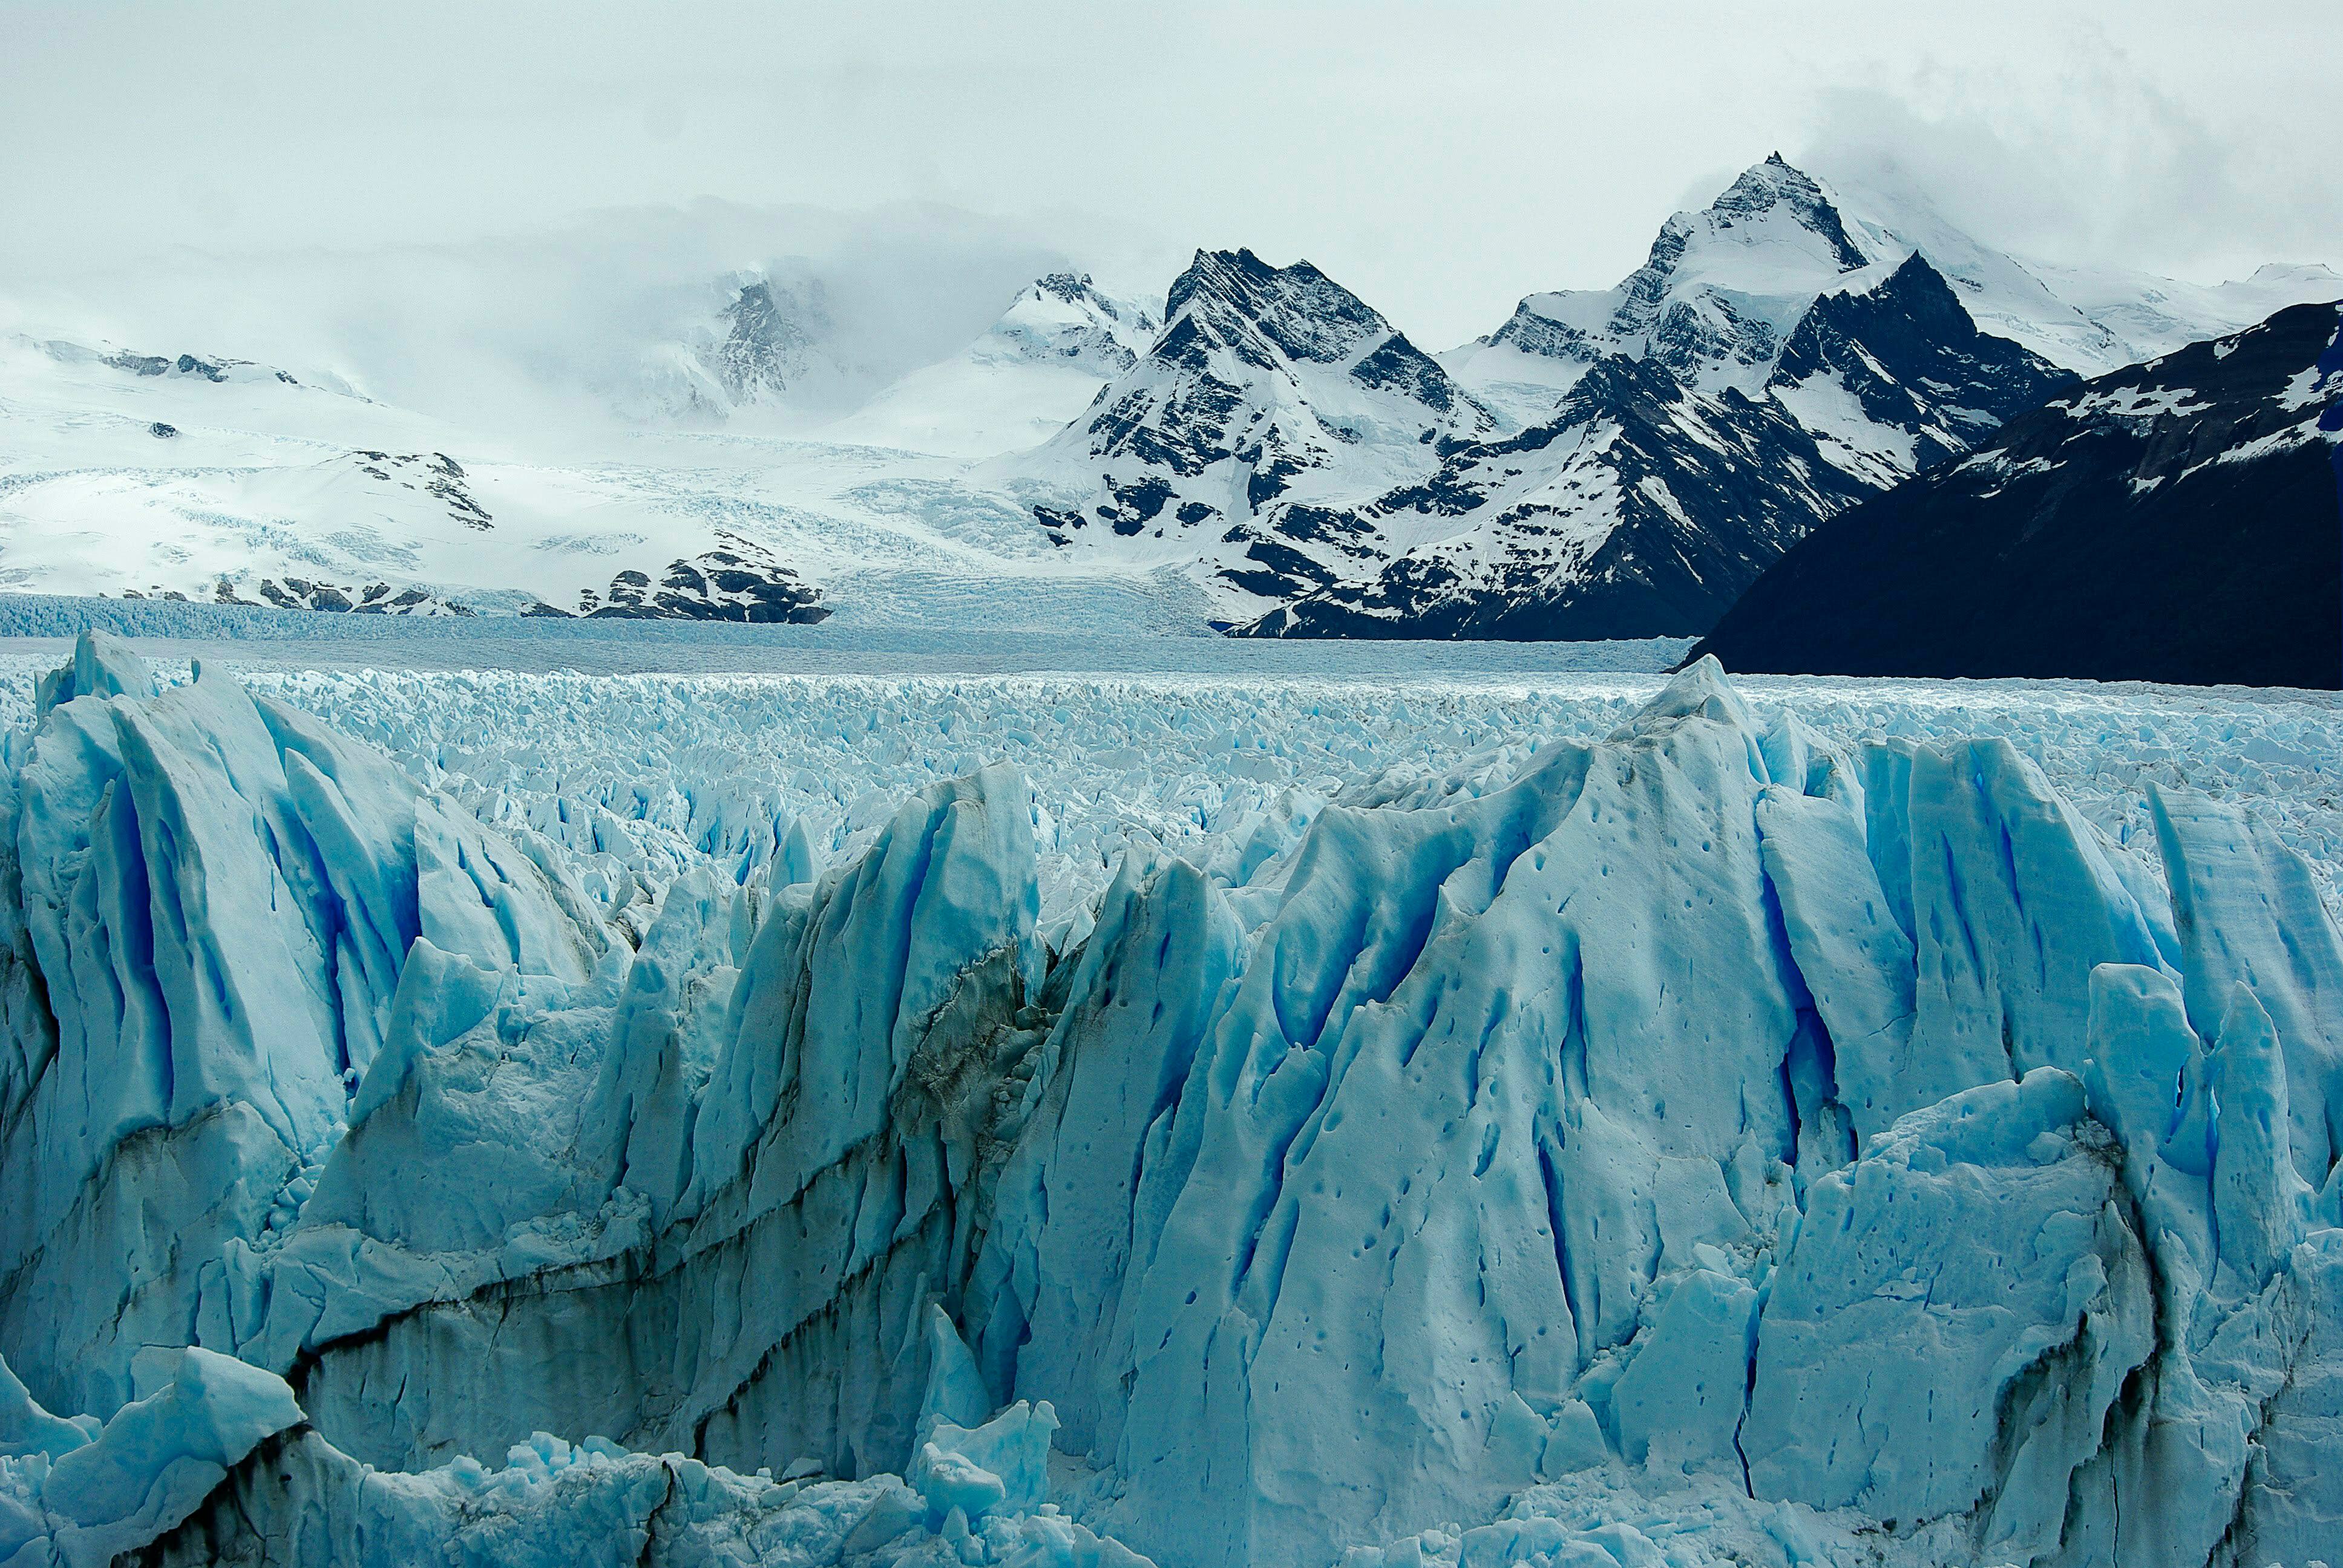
x=1411 y=1111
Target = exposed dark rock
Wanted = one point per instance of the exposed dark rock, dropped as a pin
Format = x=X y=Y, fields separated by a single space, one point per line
x=1915 y=363
x=738 y=581
x=2172 y=521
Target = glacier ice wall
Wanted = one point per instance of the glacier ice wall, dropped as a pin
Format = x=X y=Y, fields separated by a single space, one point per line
x=1841 y=1142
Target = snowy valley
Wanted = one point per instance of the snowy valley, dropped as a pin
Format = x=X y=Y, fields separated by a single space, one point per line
x=1579 y=1119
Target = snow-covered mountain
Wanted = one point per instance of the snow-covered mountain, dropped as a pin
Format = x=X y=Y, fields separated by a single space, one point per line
x=2170 y=521
x=1723 y=289
x=1065 y=317
x=205 y=478
x=1645 y=503
x=1272 y=396
x=1890 y=375
x=1805 y=356
x=1638 y=510
x=899 y=412
x=1056 y=346
x=1714 y=302
x=1766 y=366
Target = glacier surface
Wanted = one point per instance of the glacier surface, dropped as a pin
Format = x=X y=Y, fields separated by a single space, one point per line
x=1578 y=1120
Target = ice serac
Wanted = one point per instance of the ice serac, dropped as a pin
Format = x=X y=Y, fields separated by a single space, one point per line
x=218 y=1465
x=1978 y=1239
x=2247 y=915
x=88 y=1496
x=1070 y=1236
x=1833 y=1148
x=807 y=1094
x=216 y=898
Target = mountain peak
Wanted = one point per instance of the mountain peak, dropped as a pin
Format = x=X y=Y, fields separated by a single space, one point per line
x=1073 y=287
x=1235 y=298
x=1892 y=375
x=767 y=341
x=1775 y=183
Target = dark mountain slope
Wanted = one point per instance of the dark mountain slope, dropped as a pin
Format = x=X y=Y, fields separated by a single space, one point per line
x=2174 y=522
x=1645 y=506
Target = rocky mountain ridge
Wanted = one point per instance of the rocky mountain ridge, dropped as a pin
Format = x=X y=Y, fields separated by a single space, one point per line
x=2174 y=522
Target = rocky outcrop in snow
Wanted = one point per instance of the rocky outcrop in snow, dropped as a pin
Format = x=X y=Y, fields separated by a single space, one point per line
x=1841 y=1144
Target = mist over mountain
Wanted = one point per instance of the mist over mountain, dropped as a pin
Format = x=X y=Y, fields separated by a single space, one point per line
x=887 y=413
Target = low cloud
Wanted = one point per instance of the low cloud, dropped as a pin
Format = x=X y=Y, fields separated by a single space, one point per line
x=2081 y=158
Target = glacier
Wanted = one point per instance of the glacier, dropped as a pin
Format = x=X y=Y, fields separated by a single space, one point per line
x=1581 y=1121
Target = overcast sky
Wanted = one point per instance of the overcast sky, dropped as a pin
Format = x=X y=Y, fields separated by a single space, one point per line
x=1440 y=160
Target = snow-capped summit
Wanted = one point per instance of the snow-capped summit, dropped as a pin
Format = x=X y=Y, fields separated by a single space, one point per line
x=1046 y=359
x=1065 y=316
x=1713 y=300
x=1273 y=396
x=769 y=345
x=1723 y=289
x=1650 y=499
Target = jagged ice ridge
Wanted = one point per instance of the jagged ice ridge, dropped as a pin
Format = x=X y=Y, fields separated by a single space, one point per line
x=1697 y=1139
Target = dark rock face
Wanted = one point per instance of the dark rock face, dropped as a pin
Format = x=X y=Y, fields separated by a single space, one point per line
x=1644 y=506
x=1913 y=362
x=2174 y=522
x=1642 y=510
x=1268 y=391
x=161 y=431
x=1531 y=333
x=342 y=598
x=738 y=581
x=1243 y=302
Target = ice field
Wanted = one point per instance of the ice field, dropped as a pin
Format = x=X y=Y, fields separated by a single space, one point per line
x=651 y=746
x=900 y=1098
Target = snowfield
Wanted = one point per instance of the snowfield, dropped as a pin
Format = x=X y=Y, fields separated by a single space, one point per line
x=1377 y=1105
